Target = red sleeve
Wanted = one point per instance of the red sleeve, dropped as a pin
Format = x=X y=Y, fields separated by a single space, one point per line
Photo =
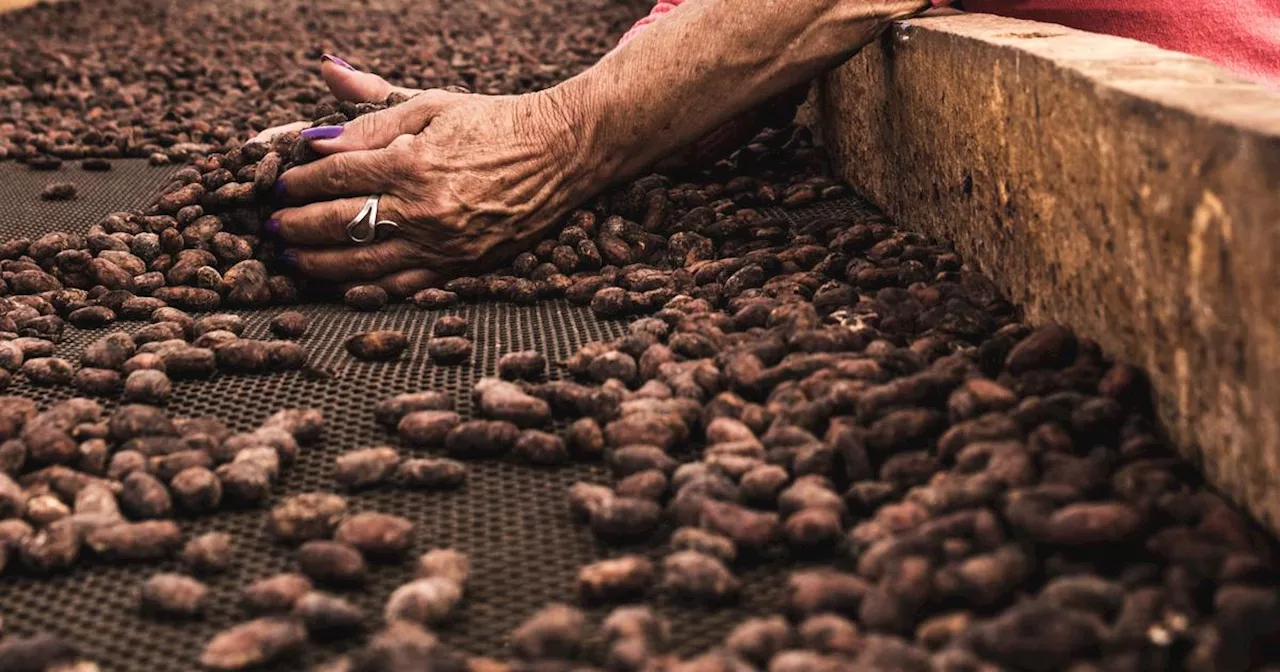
x=1241 y=35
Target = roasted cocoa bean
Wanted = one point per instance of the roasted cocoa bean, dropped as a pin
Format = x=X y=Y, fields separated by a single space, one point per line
x=449 y=350
x=376 y=534
x=209 y=553
x=377 y=346
x=331 y=562
x=167 y=595
x=365 y=467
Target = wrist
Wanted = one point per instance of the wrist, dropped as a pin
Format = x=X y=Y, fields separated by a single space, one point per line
x=578 y=105
x=573 y=142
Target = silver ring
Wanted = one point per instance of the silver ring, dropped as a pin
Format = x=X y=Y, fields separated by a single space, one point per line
x=364 y=227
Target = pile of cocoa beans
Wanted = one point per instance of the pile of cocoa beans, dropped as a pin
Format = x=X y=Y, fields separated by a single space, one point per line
x=983 y=494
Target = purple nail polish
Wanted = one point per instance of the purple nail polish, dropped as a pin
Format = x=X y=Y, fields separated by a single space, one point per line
x=337 y=61
x=277 y=190
x=273 y=227
x=288 y=258
x=322 y=133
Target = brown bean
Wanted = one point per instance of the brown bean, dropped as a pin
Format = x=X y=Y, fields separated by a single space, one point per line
x=167 y=594
x=434 y=299
x=540 y=448
x=556 y=631
x=616 y=579
x=376 y=534
x=525 y=364
x=434 y=474
x=377 y=346
x=449 y=325
x=446 y=563
x=449 y=350
x=328 y=615
x=366 y=298
x=427 y=428
x=425 y=601
x=146 y=540
x=275 y=593
x=209 y=553
x=331 y=562
x=313 y=515
x=253 y=643
x=365 y=467
x=480 y=439
x=693 y=576
x=197 y=489
x=289 y=324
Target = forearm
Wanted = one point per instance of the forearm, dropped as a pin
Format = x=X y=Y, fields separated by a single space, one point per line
x=704 y=63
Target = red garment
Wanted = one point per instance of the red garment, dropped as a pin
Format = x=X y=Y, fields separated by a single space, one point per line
x=658 y=10
x=1240 y=35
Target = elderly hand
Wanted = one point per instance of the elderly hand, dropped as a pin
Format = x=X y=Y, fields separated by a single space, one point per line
x=469 y=179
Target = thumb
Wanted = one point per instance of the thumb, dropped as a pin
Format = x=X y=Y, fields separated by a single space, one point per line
x=355 y=86
x=377 y=130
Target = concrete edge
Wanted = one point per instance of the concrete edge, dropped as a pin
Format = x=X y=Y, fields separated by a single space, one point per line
x=1129 y=191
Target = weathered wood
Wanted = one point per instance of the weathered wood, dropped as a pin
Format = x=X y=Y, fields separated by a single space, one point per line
x=1130 y=192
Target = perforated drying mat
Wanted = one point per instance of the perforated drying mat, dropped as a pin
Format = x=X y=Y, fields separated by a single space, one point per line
x=513 y=520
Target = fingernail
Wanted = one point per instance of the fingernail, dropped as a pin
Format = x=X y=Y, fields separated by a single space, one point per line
x=273 y=227
x=277 y=190
x=337 y=61
x=288 y=258
x=322 y=133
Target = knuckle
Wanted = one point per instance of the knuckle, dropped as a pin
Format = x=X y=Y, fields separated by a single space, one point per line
x=339 y=172
x=379 y=124
x=371 y=259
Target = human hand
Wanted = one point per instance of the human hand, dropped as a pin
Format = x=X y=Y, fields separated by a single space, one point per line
x=470 y=180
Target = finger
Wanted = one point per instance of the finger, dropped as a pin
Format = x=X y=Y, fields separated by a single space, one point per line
x=378 y=129
x=346 y=174
x=353 y=262
x=320 y=223
x=405 y=283
x=269 y=134
x=355 y=86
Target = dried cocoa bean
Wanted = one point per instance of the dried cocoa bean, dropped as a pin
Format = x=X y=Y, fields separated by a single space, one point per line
x=166 y=595
x=365 y=467
x=449 y=350
x=331 y=562
x=377 y=346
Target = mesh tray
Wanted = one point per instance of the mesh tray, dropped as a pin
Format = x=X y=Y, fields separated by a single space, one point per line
x=512 y=519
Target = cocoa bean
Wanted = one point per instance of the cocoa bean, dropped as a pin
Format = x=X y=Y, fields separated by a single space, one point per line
x=209 y=553
x=253 y=643
x=449 y=350
x=365 y=467
x=431 y=473
x=693 y=576
x=331 y=562
x=378 y=346
x=306 y=516
x=478 y=439
x=166 y=595
x=275 y=593
x=376 y=534
x=289 y=324
x=365 y=298
x=526 y=365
